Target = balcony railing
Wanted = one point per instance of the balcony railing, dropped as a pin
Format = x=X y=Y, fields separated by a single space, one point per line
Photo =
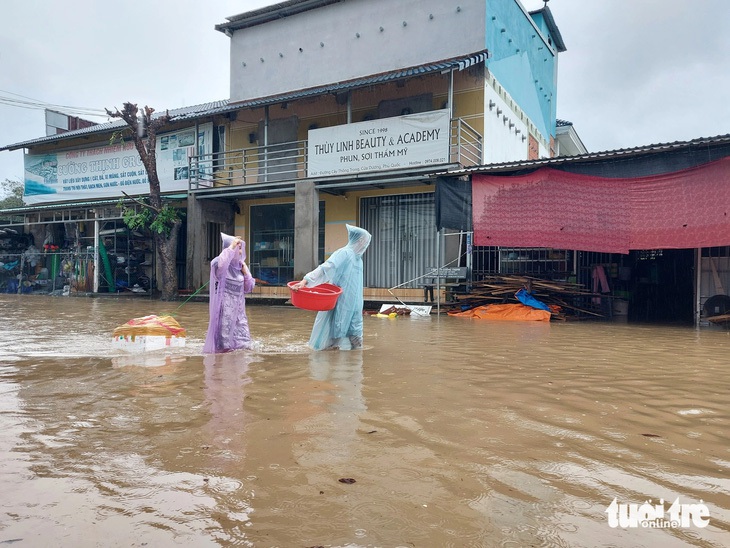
x=466 y=144
x=288 y=161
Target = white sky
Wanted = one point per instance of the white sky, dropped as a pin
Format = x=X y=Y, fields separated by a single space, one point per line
x=635 y=72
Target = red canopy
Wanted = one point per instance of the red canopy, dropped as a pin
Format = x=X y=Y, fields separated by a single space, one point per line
x=556 y=209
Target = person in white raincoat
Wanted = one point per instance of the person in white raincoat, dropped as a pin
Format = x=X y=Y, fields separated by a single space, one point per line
x=341 y=327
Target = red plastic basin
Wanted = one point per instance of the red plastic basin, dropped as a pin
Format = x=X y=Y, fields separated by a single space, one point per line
x=320 y=297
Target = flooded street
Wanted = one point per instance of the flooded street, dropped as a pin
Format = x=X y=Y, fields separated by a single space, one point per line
x=456 y=432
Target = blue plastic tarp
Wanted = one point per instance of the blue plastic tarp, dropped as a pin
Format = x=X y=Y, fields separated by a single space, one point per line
x=525 y=298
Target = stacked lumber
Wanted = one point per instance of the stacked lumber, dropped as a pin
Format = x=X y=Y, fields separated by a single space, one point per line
x=573 y=299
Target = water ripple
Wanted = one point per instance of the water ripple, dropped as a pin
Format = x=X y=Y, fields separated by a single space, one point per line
x=457 y=433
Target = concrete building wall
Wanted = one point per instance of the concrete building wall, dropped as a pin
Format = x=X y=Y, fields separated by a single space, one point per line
x=340 y=210
x=524 y=60
x=504 y=129
x=199 y=214
x=349 y=40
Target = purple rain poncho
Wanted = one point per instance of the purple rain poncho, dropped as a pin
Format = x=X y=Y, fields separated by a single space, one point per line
x=341 y=327
x=228 y=325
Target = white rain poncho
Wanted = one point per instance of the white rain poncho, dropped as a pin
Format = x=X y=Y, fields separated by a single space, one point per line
x=341 y=327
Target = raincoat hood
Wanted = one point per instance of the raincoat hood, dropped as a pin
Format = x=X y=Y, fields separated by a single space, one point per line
x=358 y=239
x=237 y=262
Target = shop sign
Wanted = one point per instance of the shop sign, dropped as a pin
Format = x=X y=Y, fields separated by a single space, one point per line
x=414 y=140
x=109 y=171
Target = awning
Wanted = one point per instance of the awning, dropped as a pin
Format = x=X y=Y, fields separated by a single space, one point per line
x=456 y=63
x=82 y=205
x=554 y=209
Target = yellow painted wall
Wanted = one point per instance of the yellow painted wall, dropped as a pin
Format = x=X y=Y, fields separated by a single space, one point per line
x=243 y=219
x=326 y=111
x=339 y=210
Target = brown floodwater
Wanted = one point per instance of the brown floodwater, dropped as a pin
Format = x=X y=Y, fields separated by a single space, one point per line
x=456 y=432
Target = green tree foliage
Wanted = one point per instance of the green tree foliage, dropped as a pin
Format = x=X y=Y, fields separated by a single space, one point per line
x=150 y=211
x=11 y=193
x=159 y=222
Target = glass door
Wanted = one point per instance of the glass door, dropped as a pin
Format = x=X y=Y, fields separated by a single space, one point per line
x=271 y=256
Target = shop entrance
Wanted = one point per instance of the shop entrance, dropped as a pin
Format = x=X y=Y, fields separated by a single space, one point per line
x=271 y=256
x=404 y=238
x=662 y=286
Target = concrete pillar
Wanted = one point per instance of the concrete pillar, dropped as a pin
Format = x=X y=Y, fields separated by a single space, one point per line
x=306 y=228
x=195 y=245
x=199 y=216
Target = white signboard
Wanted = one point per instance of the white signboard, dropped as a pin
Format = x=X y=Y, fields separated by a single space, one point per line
x=405 y=141
x=107 y=171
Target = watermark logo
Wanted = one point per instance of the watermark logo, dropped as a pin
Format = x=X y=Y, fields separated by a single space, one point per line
x=655 y=516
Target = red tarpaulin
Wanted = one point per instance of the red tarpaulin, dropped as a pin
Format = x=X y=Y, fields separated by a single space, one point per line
x=551 y=208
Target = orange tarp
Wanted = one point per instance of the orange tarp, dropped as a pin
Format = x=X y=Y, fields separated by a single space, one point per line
x=505 y=312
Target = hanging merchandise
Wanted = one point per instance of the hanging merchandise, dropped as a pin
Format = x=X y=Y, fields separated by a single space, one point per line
x=107 y=267
x=32 y=256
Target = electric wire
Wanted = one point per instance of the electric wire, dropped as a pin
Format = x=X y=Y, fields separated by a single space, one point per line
x=22 y=101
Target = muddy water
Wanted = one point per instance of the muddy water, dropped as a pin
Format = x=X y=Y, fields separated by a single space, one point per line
x=456 y=432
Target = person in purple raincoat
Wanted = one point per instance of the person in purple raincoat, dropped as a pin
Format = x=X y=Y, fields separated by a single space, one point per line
x=230 y=280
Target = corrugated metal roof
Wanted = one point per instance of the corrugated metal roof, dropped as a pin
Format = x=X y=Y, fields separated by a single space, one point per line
x=184 y=113
x=270 y=13
x=221 y=107
x=459 y=63
x=83 y=204
x=605 y=155
x=59 y=206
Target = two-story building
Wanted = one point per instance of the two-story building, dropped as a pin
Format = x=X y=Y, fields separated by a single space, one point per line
x=348 y=109
x=339 y=112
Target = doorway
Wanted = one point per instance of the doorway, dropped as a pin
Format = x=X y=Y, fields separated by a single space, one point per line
x=662 y=286
x=404 y=238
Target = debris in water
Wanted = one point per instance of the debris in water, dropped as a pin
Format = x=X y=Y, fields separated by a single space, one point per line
x=149 y=333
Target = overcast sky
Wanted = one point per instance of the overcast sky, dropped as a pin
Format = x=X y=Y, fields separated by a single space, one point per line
x=635 y=72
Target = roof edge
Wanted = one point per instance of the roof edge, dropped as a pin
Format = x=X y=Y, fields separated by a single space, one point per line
x=718 y=140
x=270 y=13
x=176 y=115
x=225 y=106
x=552 y=27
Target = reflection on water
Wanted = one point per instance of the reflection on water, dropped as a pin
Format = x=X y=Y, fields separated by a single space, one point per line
x=450 y=432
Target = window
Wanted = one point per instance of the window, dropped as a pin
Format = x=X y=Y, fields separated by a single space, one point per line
x=213 y=248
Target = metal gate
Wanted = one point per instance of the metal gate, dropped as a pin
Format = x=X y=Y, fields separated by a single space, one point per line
x=404 y=238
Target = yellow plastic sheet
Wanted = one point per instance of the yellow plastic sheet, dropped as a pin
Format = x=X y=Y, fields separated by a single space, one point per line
x=165 y=326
